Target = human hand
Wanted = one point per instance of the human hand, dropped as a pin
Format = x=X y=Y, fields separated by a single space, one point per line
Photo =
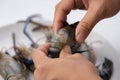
x=96 y=10
x=67 y=67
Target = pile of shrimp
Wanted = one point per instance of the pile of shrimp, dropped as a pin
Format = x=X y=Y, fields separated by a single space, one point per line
x=21 y=66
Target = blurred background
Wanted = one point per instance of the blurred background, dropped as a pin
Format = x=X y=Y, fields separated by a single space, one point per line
x=14 y=10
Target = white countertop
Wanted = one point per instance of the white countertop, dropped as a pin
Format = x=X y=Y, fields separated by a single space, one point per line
x=14 y=10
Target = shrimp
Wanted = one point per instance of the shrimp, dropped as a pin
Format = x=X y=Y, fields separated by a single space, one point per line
x=10 y=69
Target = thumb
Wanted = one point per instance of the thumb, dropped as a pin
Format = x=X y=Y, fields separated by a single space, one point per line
x=86 y=24
x=66 y=51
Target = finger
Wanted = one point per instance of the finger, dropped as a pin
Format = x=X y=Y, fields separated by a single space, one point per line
x=44 y=48
x=79 y=5
x=77 y=56
x=86 y=25
x=36 y=75
x=40 y=55
x=66 y=51
x=61 y=11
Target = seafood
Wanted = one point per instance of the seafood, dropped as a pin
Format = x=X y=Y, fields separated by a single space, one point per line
x=65 y=36
x=23 y=54
x=21 y=66
x=107 y=68
x=10 y=69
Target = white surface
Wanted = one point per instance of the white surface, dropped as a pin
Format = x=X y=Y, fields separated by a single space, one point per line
x=103 y=48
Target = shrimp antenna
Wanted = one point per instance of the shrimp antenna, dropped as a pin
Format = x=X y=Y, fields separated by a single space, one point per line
x=14 y=43
x=25 y=29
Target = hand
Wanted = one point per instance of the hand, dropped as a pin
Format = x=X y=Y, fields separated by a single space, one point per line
x=67 y=67
x=97 y=10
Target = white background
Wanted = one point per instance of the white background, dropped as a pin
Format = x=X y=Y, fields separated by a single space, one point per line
x=13 y=10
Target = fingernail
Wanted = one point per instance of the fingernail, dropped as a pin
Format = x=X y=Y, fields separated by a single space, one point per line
x=67 y=49
x=80 y=37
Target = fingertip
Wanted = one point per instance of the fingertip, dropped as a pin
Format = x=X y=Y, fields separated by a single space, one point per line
x=39 y=57
x=44 y=47
x=80 y=37
x=60 y=16
x=80 y=34
x=47 y=45
x=91 y=18
x=66 y=51
x=56 y=26
x=38 y=54
x=82 y=31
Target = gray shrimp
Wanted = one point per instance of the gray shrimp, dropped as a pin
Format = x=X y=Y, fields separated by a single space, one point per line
x=10 y=69
x=24 y=55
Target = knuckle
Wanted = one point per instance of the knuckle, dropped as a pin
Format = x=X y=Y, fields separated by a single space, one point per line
x=39 y=70
x=36 y=73
x=86 y=27
x=42 y=49
x=77 y=55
